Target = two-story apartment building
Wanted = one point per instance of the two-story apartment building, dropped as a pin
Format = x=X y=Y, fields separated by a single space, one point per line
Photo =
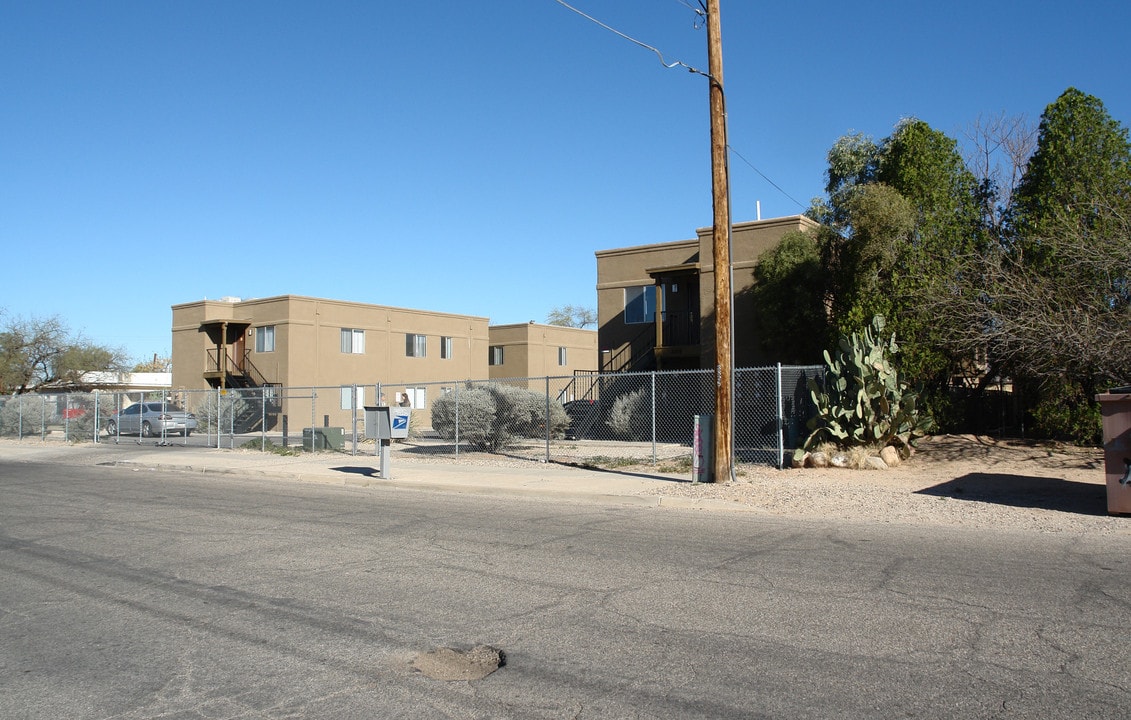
x=530 y=350
x=297 y=341
x=655 y=303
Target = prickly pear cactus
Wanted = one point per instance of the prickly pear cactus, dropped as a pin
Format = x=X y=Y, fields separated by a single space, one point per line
x=863 y=401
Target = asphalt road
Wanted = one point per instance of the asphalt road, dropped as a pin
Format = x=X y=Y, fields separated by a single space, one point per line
x=131 y=594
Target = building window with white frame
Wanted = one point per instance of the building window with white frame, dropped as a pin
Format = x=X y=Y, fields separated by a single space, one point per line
x=495 y=355
x=350 y=400
x=417 y=397
x=562 y=357
x=640 y=304
x=265 y=339
x=415 y=345
x=353 y=341
x=445 y=348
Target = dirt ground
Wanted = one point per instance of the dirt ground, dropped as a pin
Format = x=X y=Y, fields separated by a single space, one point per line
x=956 y=480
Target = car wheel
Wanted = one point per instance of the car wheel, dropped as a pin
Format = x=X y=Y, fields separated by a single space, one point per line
x=188 y=432
x=146 y=429
x=111 y=428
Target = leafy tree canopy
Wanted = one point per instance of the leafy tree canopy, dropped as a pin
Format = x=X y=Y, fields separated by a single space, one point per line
x=1082 y=164
x=156 y=365
x=899 y=212
x=791 y=320
x=43 y=351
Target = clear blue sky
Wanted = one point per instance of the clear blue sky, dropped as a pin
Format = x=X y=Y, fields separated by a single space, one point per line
x=454 y=155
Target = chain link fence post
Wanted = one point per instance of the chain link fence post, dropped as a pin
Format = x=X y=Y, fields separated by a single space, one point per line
x=547 y=423
x=652 y=392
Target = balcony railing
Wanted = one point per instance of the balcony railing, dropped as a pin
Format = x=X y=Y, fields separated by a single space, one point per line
x=234 y=366
x=679 y=329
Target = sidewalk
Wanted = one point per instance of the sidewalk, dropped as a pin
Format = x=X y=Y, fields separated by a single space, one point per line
x=535 y=479
x=955 y=481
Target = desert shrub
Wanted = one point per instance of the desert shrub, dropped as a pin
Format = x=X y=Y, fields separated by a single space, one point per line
x=83 y=423
x=492 y=417
x=474 y=410
x=630 y=417
x=212 y=411
x=31 y=406
x=40 y=412
x=1066 y=410
x=270 y=447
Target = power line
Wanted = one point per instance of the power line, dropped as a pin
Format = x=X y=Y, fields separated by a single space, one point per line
x=701 y=12
x=763 y=175
x=633 y=40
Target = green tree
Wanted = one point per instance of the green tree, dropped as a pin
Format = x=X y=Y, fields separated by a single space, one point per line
x=1081 y=168
x=899 y=215
x=156 y=365
x=788 y=291
x=1049 y=306
x=1071 y=248
x=43 y=351
x=926 y=168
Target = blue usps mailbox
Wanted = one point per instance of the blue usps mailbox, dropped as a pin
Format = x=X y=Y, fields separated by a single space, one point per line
x=399 y=419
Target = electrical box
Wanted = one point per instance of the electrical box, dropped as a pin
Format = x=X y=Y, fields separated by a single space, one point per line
x=323 y=438
x=701 y=447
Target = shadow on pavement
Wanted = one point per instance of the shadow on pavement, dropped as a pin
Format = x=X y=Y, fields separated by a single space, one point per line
x=357 y=470
x=1025 y=491
x=622 y=471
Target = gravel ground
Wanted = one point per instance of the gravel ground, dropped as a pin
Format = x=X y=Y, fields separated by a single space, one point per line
x=951 y=480
x=954 y=480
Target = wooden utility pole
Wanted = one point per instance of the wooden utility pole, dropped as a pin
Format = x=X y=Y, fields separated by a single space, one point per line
x=720 y=192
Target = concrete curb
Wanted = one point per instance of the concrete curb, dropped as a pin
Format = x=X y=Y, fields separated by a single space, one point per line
x=426 y=486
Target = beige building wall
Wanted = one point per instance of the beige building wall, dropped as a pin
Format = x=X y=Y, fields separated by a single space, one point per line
x=191 y=347
x=684 y=265
x=308 y=342
x=618 y=270
x=534 y=350
x=748 y=241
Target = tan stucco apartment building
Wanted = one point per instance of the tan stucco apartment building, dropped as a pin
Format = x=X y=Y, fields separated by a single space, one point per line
x=531 y=350
x=678 y=278
x=297 y=341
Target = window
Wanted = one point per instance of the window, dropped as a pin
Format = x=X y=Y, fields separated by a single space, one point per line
x=495 y=356
x=562 y=356
x=640 y=304
x=417 y=397
x=353 y=341
x=446 y=348
x=351 y=401
x=265 y=338
x=415 y=345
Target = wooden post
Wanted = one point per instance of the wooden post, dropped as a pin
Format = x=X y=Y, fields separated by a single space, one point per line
x=720 y=193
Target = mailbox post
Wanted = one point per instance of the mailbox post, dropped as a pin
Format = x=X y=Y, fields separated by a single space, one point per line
x=379 y=428
x=383 y=424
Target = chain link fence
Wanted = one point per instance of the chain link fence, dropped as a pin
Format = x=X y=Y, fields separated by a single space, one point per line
x=586 y=418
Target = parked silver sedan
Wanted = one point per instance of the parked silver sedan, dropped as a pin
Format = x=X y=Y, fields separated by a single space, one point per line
x=150 y=419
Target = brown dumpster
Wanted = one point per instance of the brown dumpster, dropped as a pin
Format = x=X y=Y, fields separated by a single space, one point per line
x=1115 y=405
